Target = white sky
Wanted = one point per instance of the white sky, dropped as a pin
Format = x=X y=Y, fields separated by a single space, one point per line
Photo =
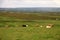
x=29 y=3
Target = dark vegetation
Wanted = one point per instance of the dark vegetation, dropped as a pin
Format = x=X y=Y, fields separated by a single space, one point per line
x=32 y=15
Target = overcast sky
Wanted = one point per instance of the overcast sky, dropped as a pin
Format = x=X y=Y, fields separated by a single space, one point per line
x=29 y=3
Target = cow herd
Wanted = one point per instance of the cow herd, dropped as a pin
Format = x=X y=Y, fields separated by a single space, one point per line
x=37 y=25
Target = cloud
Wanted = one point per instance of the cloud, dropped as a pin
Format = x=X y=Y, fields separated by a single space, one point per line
x=1 y=2
x=30 y=3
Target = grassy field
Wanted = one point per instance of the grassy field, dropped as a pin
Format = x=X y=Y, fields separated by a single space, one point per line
x=17 y=32
x=11 y=28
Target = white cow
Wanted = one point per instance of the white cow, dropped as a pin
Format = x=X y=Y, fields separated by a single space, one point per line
x=49 y=26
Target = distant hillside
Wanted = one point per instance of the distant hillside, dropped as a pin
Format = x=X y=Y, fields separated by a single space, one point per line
x=37 y=16
x=40 y=9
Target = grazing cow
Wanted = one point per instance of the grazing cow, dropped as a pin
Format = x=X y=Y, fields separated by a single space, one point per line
x=6 y=26
x=37 y=25
x=49 y=26
x=24 y=25
x=41 y=26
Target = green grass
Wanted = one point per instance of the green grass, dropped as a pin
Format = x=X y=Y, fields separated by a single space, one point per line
x=31 y=32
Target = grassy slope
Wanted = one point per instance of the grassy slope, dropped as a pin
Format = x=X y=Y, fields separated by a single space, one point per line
x=31 y=32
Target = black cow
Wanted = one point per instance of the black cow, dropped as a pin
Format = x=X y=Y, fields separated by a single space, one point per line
x=24 y=25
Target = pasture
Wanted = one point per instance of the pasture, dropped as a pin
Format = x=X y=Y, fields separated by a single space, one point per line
x=16 y=32
x=11 y=27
